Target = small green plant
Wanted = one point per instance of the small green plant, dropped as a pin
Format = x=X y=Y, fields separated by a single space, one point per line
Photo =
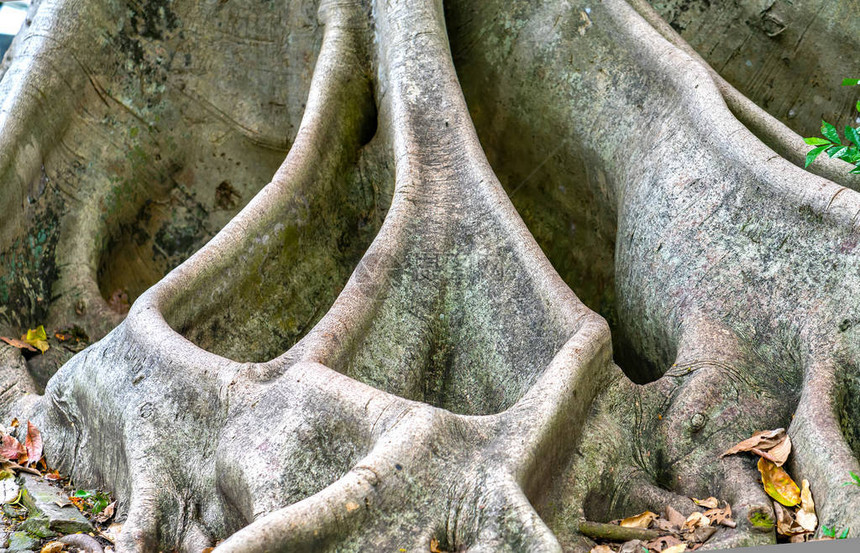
x=829 y=532
x=831 y=142
x=855 y=479
x=92 y=501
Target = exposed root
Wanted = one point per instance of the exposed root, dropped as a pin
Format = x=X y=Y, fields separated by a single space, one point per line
x=456 y=379
x=821 y=454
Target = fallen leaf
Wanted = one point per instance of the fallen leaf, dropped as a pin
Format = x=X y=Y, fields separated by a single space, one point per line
x=680 y=548
x=11 y=449
x=709 y=503
x=642 y=520
x=37 y=338
x=33 y=444
x=7 y=465
x=14 y=423
x=632 y=546
x=107 y=513
x=784 y=520
x=601 y=549
x=806 y=515
x=762 y=440
x=779 y=453
x=434 y=546
x=703 y=533
x=800 y=538
x=674 y=517
x=9 y=490
x=778 y=484
x=20 y=344
x=695 y=520
x=721 y=516
x=663 y=543
x=54 y=476
x=666 y=526
x=52 y=547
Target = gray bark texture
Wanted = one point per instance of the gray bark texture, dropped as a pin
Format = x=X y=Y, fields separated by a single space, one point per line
x=403 y=272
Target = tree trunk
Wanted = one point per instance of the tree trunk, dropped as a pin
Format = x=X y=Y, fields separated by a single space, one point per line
x=411 y=332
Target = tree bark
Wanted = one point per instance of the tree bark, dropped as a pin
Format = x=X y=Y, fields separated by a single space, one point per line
x=410 y=333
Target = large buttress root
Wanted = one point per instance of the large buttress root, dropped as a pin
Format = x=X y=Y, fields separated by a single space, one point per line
x=717 y=236
x=129 y=135
x=454 y=388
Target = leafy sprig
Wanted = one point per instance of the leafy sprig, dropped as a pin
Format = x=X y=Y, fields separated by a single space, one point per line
x=831 y=143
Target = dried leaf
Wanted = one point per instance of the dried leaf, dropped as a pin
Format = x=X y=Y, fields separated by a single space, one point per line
x=8 y=490
x=800 y=538
x=762 y=440
x=107 y=513
x=601 y=549
x=674 y=517
x=721 y=516
x=20 y=344
x=14 y=423
x=663 y=543
x=632 y=546
x=54 y=476
x=52 y=547
x=680 y=548
x=696 y=520
x=666 y=526
x=12 y=449
x=703 y=533
x=779 y=453
x=784 y=520
x=709 y=503
x=37 y=338
x=778 y=484
x=33 y=444
x=642 y=520
x=434 y=546
x=806 y=515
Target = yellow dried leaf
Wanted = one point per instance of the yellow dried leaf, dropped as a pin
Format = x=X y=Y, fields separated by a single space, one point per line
x=680 y=548
x=601 y=549
x=37 y=338
x=778 y=484
x=695 y=520
x=52 y=547
x=709 y=503
x=806 y=515
x=642 y=520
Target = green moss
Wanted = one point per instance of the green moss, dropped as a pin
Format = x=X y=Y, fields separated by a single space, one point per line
x=761 y=521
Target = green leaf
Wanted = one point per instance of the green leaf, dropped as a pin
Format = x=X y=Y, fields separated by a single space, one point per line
x=83 y=494
x=829 y=532
x=852 y=135
x=815 y=141
x=810 y=157
x=858 y=105
x=855 y=171
x=850 y=82
x=844 y=534
x=99 y=505
x=837 y=151
x=830 y=133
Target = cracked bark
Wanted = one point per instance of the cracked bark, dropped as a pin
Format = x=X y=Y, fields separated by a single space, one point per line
x=408 y=333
